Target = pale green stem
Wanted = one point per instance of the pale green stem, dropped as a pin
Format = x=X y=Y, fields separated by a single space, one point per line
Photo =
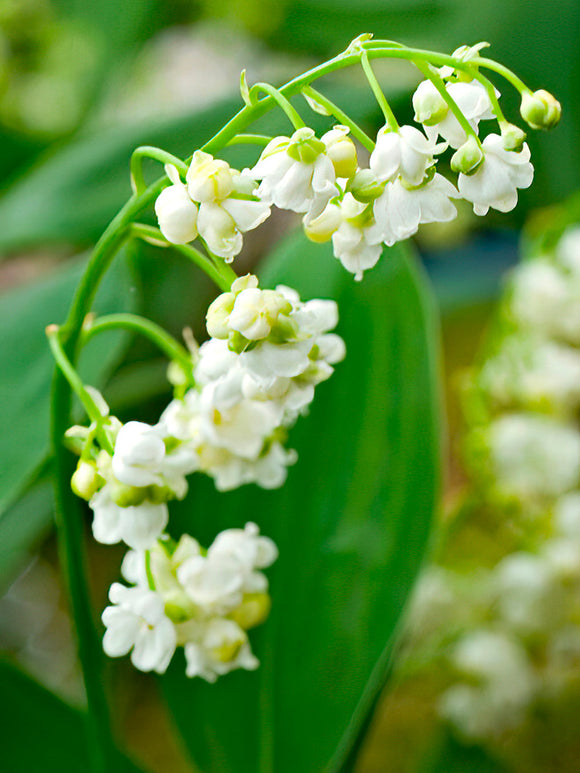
x=341 y=116
x=378 y=92
x=437 y=81
x=75 y=381
x=156 y=154
x=250 y=139
x=500 y=69
x=490 y=89
x=215 y=268
x=148 y=571
x=281 y=101
x=160 y=337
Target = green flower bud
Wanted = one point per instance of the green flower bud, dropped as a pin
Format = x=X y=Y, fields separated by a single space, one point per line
x=468 y=157
x=304 y=146
x=86 y=481
x=513 y=136
x=365 y=187
x=218 y=314
x=253 y=610
x=430 y=107
x=238 y=343
x=540 y=110
x=342 y=151
x=127 y=496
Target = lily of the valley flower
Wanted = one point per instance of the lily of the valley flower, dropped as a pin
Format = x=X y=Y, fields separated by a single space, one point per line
x=406 y=153
x=297 y=173
x=137 y=622
x=496 y=180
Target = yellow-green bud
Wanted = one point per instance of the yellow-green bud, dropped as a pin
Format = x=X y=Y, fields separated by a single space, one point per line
x=238 y=343
x=540 y=110
x=365 y=187
x=246 y=282
x=468 y=157
x=304 y=146
x=253 y=610
x=321 y=228
x=85 y=481
x=513 y=137
x=127 y=496
x=218 y=314
x=342 y=151
x=430 y=107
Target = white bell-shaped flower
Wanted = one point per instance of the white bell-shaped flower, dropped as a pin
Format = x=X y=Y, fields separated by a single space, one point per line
x=138 y=526
x=399 y=210
x=406 y=153
x=471 y=98
x=139 y=453
x=215 y=583
x=137 y=622
x=217 y=647
x=176 y=212
x=296 y=173
x=247 y=546
x=496 y=180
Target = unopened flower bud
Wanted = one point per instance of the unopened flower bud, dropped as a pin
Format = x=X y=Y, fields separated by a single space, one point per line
x=127 y=496
x=341 y=151
x=244 y=283
x=430 y=107
x=209 y=179
x=322 y=227
x=85 y=481
x=365 y=187
x=468 y=157
x=218 y=314
x=253 y=610
x=540 y=110
x=513 y=137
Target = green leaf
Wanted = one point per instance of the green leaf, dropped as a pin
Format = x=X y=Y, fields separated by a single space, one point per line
x=27 y=365
x=40 y=732
x=452 y=756
x=352 y=523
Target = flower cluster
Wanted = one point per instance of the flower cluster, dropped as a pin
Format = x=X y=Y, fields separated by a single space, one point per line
x=360 y=209
x=216 y=203
x=252 y=379
x=517 y=618
x=201 y=600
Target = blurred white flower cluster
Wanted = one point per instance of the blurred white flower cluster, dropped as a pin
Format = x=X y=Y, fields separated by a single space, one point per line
x=252 y=379
x=361 y=209
x=510 y=629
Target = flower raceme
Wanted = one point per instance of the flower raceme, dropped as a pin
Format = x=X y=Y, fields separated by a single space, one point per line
x=201 y=600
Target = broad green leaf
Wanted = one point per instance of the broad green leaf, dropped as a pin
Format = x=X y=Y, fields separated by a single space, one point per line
x=27 y=365
x=40 y=732
x=351 y=523
x=23 y=526
x=452 y=756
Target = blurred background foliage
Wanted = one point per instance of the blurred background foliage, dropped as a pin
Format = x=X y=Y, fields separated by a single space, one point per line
x=82 y=84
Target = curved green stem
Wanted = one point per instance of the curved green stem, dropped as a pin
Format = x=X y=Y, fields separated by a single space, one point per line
x=500 y=69
x=340 y=115
x=280 y=100
x=148 y=571
x=160 y=337
x=73 y=378
x=249 y=139
x=156 y=154
x=437 y=81
x=215 y=268
x=490 y=89
x=378 y=92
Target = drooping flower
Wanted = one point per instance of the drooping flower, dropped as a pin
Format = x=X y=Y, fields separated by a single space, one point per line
x=137 y=622
x=405 y=153
x=496 y=180
x=138 y=526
